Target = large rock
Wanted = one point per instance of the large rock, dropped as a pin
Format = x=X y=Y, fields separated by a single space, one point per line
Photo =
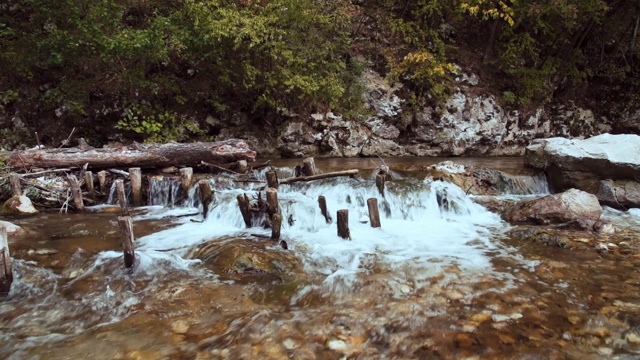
x=571 y=205
x=471 y=122
x=583 y=164
x=11 y=228
x=18 y=205
x=619 y=194
x=247 y=259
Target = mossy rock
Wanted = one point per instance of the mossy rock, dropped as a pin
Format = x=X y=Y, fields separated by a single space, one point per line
x=18 y=206
x=248 y=259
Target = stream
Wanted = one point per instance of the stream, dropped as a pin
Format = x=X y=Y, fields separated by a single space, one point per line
x=443 y=278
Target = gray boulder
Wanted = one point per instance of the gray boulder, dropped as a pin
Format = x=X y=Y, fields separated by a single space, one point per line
x=619 y=194
x=571 y=205
x=11 y=228
x=584 y=164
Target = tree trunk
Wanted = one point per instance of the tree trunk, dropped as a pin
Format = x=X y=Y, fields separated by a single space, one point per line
x=144 y=156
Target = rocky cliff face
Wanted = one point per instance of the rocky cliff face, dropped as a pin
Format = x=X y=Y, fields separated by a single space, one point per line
x=472 y=122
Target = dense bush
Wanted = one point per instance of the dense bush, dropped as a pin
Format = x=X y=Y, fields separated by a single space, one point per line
x=155 y=69
x=145 y=64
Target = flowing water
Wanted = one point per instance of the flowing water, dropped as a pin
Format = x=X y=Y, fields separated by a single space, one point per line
x=443 y=278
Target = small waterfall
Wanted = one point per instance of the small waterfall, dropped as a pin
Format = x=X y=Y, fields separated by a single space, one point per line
x=426 y=225
x=528 y=185
x=113 y=196
x=501 y=183
x=164 y=191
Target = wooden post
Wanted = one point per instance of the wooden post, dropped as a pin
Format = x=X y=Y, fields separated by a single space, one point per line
x=126 y=234
x=374 y=214
x=242 y=166
x=6 y=273
x=260 y=201
x=122 y=197
x=322 y=201
x=380 y=180
x=14 y=179
x=76 y=193
x=102 y=181
x=243 y=204
x=88 y=181
x=276 y=224
x=343 y=224
x=206 y=196
x=135 y=176
x=308 y=167
x=272 y=179
x=272 y=201
x=186 y=175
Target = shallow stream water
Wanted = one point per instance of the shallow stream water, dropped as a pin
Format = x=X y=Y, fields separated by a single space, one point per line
x=434 y=282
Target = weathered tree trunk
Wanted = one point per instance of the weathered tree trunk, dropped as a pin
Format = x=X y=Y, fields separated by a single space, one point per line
x=6 y=273
x=272 y=179
x=102 y=181
x=206 y=196
x=144 y=156
x=343 y=224
x=14 y=180
x=322 y=202
x=122 y=197
x=88 y=181
x=243 y=204
x=272 y=202
x=374 y=214
x=276 y=224
x=308 y=167
x=76 y=193
x=320 y=176
x=380 y=180
x=135 y=176
x=186 y=175
x=126 y=233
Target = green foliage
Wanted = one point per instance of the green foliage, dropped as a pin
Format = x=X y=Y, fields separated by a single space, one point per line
x=167 y=62
x=421 y=31
x=221 y=55
x=429 y=76
x=156 y=126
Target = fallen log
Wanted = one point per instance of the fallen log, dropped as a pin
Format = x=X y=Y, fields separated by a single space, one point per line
x=144 y=156
x=320 y=176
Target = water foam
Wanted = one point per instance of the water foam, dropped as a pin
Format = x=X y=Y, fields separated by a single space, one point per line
x=425 y=226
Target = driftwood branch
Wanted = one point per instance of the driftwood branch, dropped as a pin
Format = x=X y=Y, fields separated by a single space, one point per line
x=44 y=172
x=320 y=176
x=219 y=168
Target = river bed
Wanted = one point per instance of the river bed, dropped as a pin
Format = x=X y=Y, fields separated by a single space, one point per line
x=433 y=282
